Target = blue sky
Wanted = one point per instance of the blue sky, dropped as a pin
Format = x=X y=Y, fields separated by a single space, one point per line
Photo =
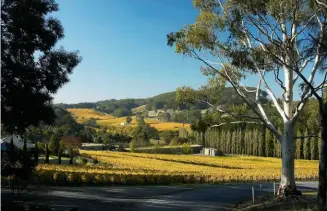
x=123 y=45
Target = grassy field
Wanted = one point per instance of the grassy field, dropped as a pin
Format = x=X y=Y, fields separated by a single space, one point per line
x=81 y=115
x=139 y=168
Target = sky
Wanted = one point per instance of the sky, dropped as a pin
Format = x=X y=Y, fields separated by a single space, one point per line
x=124 y=48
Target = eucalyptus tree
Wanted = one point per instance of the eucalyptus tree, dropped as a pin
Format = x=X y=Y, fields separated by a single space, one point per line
x=265 y=39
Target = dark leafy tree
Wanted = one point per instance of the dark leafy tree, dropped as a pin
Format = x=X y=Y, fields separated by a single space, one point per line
x=120 y=112
x=28 y=81
x=91 y=123
x=129 y=120
x=54 y=143
x=164 y=116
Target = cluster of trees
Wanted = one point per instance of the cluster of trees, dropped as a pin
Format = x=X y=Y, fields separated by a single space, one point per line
x=256 y=140
x=143 y=132
x=168 y=135
x=252 y=137
x=53 y=139
x=110 y=138
x=189 y=112
x=119 y=108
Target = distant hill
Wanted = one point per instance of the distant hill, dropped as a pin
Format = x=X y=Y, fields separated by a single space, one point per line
x=126 y=107
x=81 y=115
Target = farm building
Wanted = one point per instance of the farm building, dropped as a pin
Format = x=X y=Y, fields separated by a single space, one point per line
x=209 y=151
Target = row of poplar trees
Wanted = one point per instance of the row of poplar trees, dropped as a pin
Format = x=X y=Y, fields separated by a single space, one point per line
x=256 y=140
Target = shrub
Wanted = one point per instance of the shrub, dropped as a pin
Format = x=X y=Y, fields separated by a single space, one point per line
x=95 y=161
x=84 y=161
x=178 y=141
x=173 y=143
x=81 y=160
x=40 y=145
x=132 y=146
x=187 y=149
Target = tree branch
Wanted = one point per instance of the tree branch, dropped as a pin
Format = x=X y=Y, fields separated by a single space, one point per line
x=236 y=122
x=265 y=120
x=321 y=3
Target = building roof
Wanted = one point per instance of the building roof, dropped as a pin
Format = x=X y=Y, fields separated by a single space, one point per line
x=18 y=141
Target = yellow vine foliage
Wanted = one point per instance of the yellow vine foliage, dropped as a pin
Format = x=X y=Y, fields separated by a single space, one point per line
x=141 y=168
x=83 y=114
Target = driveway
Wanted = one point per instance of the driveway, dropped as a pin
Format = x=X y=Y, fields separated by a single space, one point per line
x=143 y=198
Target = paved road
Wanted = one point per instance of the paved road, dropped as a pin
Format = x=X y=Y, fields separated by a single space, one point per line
x=144 y=198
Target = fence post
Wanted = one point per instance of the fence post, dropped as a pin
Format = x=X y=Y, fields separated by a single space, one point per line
x=253 y=194
x=261 y=190
x=274 y=189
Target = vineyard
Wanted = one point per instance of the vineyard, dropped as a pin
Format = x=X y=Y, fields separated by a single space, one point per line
x=81 y=115
x=139 y=168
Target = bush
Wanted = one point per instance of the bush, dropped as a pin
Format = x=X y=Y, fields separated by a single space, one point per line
x=178 y=141
x=81 y=160
x=95 y=161
x=121 y=148
x=84 y=161
x=40 y=145
x=132 y=146
x=187 y=149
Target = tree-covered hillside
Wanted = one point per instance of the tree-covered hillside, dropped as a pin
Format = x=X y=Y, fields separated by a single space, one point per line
x=122 y=107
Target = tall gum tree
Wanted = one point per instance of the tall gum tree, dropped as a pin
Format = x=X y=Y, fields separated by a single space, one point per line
x=267 y=39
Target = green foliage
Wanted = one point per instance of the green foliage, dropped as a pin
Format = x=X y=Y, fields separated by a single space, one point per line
x=81 y=160
x=168 y=135
x=306 y=146
x=120 y=112
x=17 y=166
x=187 y=149
x=129 y=119
x=199 y=126
x=182 y=132
x=132 y=146
x=91 y=123
x=106 y=138
x=298 y=146
x=269 y=144
x=314 y=149
x=140 y=120
x=164 y=116
x=121 y=148
x=178 y=141
x=98 y=139
x=27 y=28
x=118 y=107
x=228 y=142
x=142 y=134
x=262 y=144
x=40 y=145
x=54 y=144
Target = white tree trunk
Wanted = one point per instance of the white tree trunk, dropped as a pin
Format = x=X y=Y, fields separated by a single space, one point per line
x=287 y=183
